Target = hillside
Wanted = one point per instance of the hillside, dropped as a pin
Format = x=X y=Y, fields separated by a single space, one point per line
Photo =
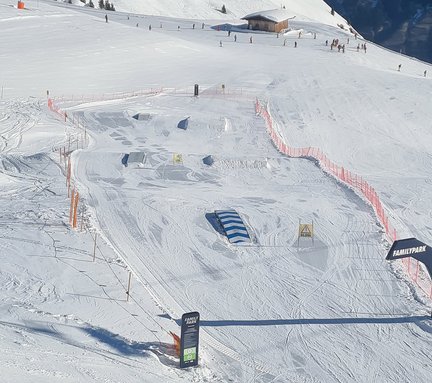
x=404 y=26
x=316 y=10
x=97 y=302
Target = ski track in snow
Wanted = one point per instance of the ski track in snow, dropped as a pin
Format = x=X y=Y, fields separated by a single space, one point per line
x=332 y=310
x=359 y=237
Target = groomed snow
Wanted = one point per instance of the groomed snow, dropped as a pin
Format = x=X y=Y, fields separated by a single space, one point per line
x=275 y=310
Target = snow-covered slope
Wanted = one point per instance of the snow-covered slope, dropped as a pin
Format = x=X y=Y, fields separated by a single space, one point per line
x=279 y=310
x=316 y=10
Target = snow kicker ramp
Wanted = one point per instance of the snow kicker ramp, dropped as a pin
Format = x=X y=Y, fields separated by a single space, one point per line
x=233 y=226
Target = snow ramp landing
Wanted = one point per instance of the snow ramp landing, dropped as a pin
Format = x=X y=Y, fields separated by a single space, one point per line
x=233 y=226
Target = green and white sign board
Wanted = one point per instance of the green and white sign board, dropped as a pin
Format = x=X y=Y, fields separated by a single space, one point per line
x=189 y=340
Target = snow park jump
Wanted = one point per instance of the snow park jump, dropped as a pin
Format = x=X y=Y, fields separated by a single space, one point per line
x=233 y=226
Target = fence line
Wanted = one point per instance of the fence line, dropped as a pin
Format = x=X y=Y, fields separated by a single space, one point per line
x=412 y=267
x=221 y=91
x=73 y=142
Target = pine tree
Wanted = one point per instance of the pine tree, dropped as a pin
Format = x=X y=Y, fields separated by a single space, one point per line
x=107 y=5
x=101 y=4
x=90 y=4
x=224 y=9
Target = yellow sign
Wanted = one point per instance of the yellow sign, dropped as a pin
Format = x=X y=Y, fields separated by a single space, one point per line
x=177 y=158
x=305 y=230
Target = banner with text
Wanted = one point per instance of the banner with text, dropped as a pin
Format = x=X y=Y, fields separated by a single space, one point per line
x=189 y=339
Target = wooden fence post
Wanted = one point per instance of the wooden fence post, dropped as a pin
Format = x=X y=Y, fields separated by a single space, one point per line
x=129 y=285
x=94 y=248
x=74 y=221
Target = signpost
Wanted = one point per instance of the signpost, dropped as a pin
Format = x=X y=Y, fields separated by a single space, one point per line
x=411 y=247
x=189 y=339
x=177 y=158
x=305 y=230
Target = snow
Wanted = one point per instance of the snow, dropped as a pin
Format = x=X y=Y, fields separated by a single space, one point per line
x=274 y=310
x=275 y=15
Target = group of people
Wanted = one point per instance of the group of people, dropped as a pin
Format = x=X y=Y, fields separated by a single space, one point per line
x=334 y=44
x=362 y=46
x=337 y=44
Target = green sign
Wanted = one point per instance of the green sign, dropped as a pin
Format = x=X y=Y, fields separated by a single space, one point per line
x=189 y=340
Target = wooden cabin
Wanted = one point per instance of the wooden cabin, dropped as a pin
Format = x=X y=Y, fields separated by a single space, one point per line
x=274 y=20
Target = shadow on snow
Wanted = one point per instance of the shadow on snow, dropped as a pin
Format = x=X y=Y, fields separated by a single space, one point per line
x=321 y=321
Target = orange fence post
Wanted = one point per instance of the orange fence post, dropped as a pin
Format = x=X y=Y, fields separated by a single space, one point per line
x=71 y=206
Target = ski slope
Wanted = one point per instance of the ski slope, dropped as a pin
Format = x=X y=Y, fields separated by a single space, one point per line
x=275 y=310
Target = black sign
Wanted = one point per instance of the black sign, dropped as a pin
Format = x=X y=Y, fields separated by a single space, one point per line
x=189 y=340
x=412 y=247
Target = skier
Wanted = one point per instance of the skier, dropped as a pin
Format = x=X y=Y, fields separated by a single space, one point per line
x=326 y=42
x=193 y=26
x=295 y=44
x=424 y=73
x=399 y=67
x=250 y=40
x=220 y=43
x=106 y=18
x=235 y=38
x=150 y=27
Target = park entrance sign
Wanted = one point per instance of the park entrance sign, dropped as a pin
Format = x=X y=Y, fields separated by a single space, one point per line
x=412 y=247
x=189 y=339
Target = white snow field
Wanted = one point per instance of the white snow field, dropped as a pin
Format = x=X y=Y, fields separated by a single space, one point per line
x=274 y=310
